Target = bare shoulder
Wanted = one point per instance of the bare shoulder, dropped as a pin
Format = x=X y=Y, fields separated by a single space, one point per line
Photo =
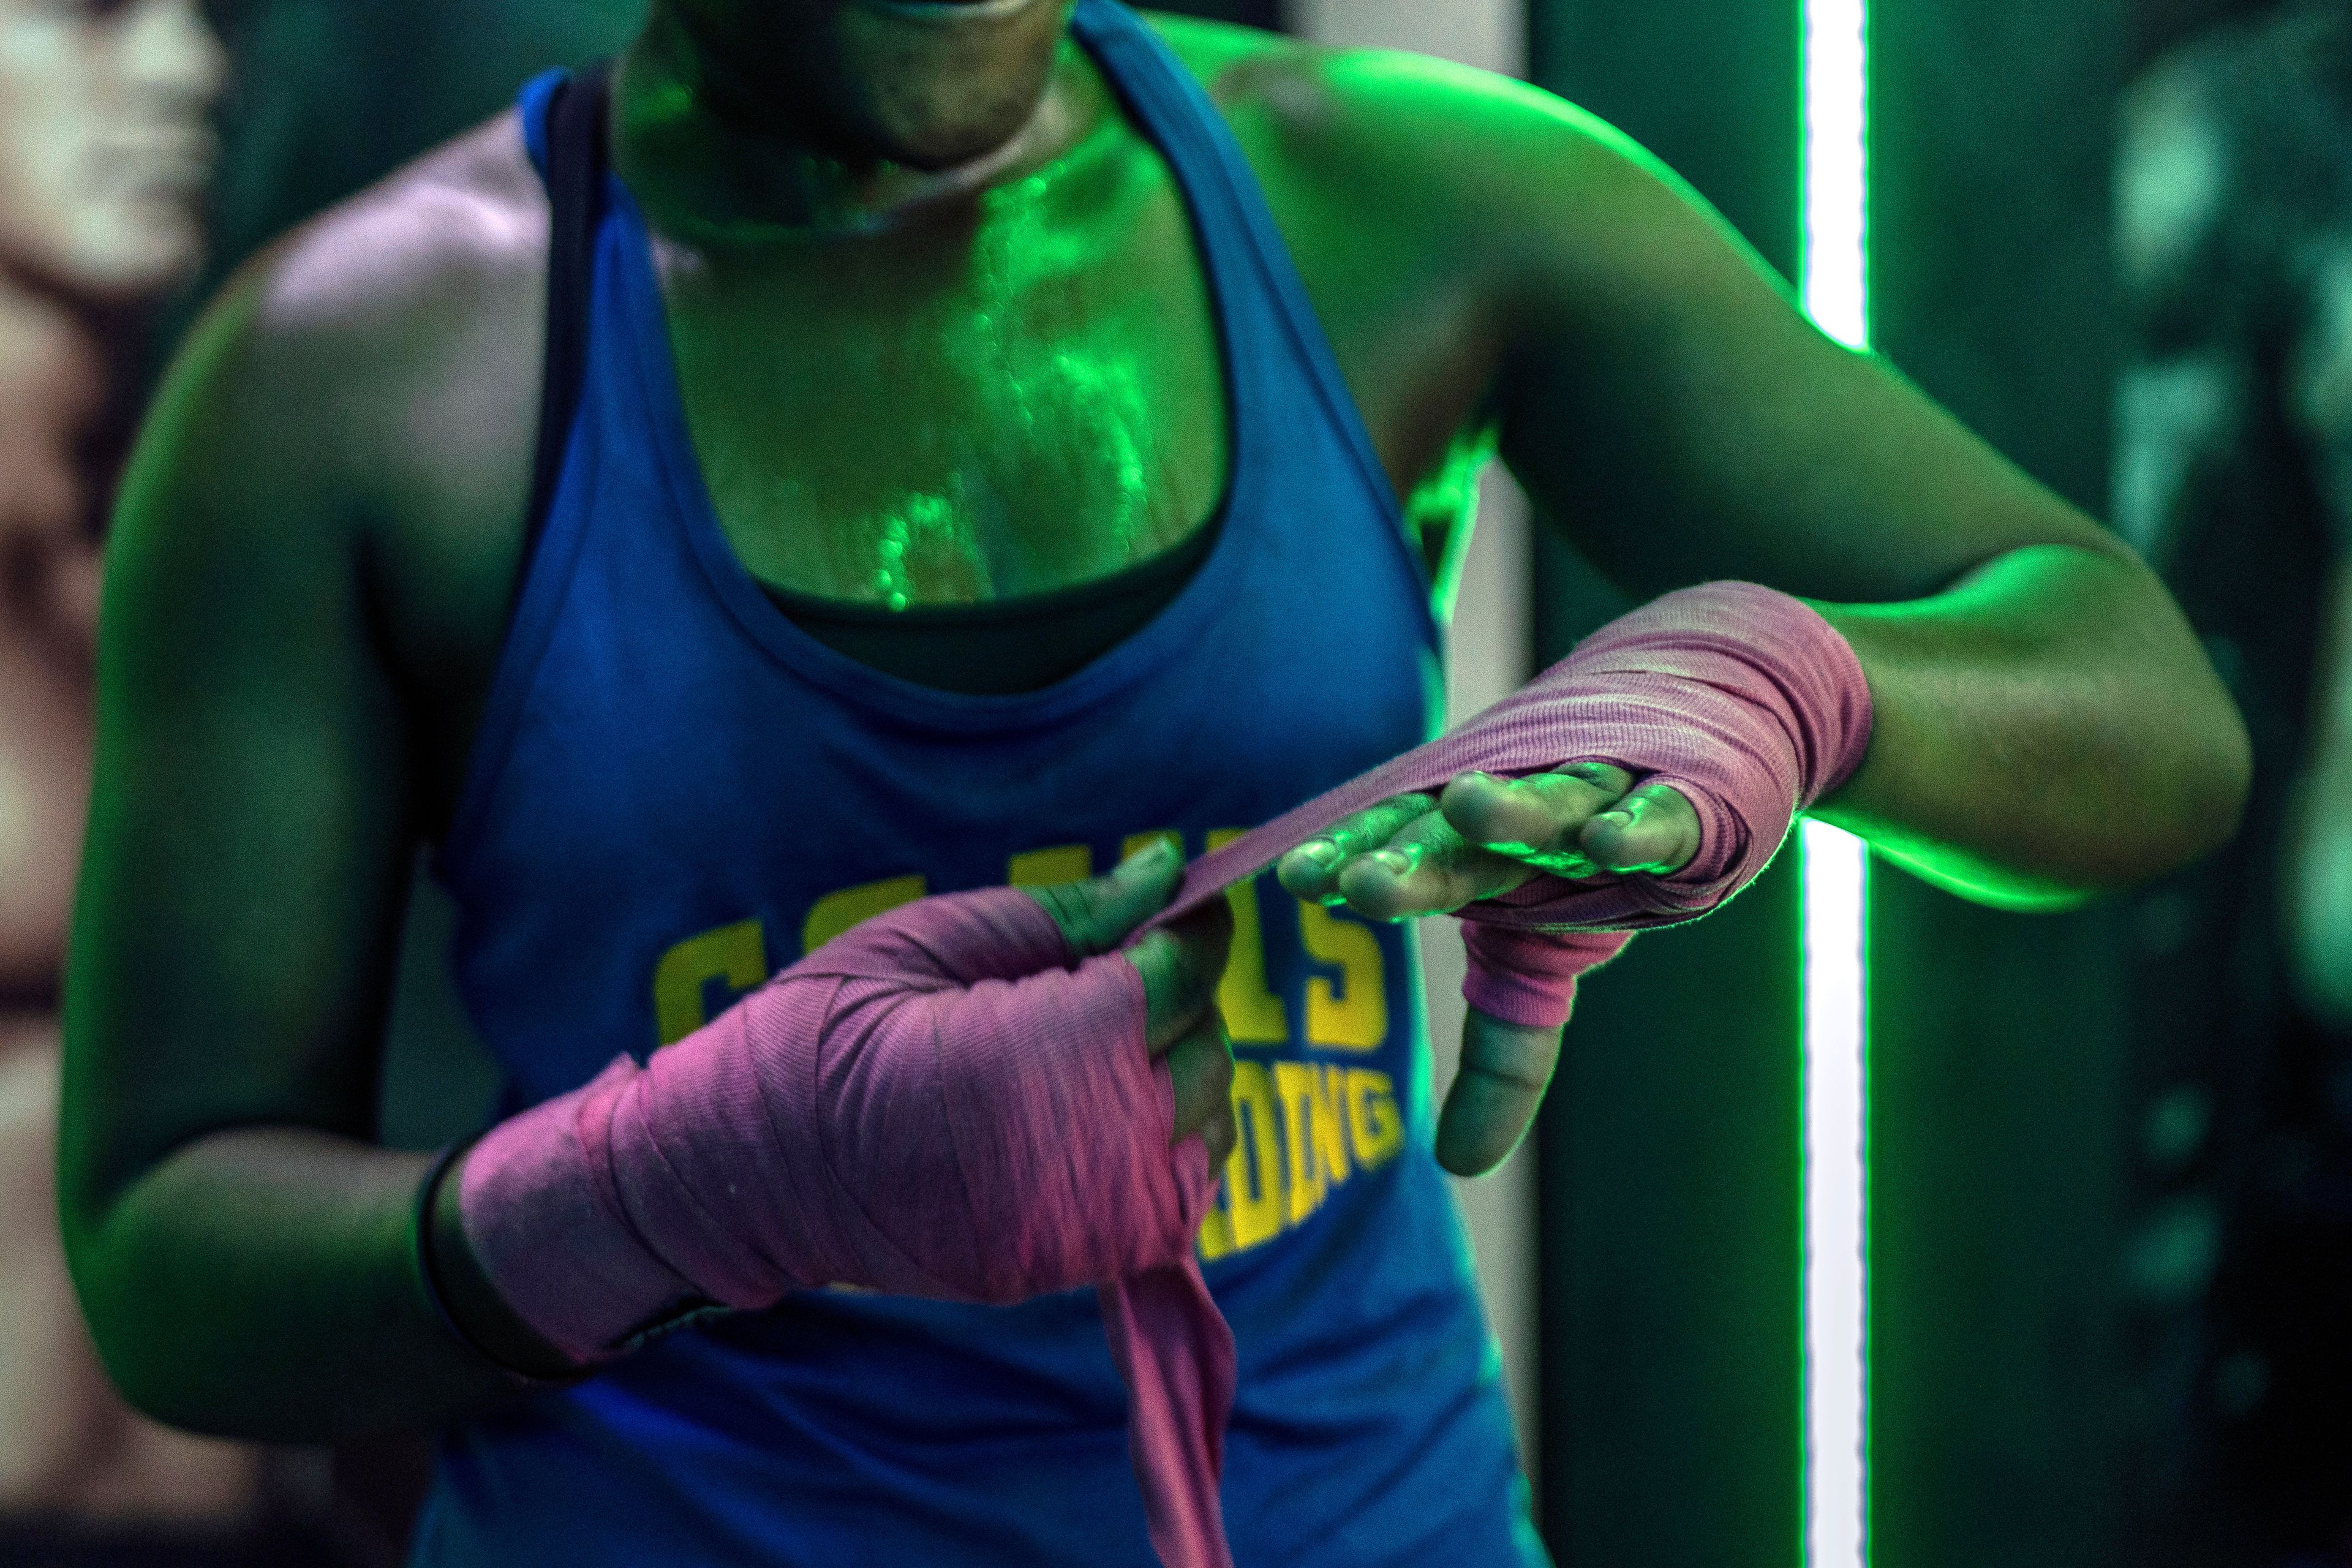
x=1427 y=153
x=1408 y=113
x=468 y=216
x=361 y=351
x=330 y=485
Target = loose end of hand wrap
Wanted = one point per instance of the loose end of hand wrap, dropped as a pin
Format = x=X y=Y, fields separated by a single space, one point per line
x=1175 y=1352
x=1529 y=977
x=1742 y=698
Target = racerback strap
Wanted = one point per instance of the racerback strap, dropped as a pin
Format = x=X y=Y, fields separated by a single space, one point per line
x=576 y=161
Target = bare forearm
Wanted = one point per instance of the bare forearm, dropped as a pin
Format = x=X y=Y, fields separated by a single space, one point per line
x=263 y=1284
x=2045 y=729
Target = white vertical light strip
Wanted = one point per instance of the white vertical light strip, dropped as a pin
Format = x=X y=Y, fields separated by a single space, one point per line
x=1837 y=168
x=1836 y=1275
x=1837 y=871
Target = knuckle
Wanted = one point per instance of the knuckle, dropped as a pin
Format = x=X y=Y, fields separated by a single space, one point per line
x=1221 y=1077
x=1221 y=1135
x=1149 y=958
x=1669 y=799
x=1373 y=825
x=1598 y=775
x=1407 y=811
x=1467 y=884
x=1073 y=906
x=1196 y=983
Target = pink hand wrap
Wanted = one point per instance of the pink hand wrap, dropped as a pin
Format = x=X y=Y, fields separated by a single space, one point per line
x=1742 y=698
x=933 y=1104
x=940 y=1103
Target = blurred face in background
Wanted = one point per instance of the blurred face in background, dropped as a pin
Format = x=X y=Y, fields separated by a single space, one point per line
x=105 y=142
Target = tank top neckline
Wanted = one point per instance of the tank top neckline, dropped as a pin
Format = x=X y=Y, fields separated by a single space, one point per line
x=1024 y=643
x=1153 y=106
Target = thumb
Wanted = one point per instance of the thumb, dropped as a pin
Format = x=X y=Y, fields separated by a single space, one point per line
x=1096 y=914
x=1505 y=1069
x=1182 y=965
x=1653 y=830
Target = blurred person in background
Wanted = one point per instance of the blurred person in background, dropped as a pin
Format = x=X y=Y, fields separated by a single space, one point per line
x=2235 y=478
x=105 y=151
x=112 y=195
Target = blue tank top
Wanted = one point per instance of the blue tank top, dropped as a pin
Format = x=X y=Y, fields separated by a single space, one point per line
x=676 y=791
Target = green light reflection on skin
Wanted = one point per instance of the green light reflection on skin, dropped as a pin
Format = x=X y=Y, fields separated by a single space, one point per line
x=1052 y=390
x=1084 y=413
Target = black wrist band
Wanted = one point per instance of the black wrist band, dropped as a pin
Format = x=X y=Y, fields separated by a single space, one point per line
x=428 y=1280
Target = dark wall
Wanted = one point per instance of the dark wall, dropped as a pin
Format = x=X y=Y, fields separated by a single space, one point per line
x=1709 y=86
x=2157 y=25
x=1251 y=13
x=2000 y=1062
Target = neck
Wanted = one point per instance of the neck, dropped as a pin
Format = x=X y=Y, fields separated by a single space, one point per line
x=53 y=385
x=707 y=155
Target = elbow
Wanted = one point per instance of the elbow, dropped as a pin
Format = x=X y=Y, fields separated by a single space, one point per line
x=134 y=1327
x=2207 y=789
x=136 y=1376
x=2153 y=806
x=2173 y=783
x=2211 y=756
x=133 y=1286
x=2178 y=765
x=89 y=1225
x=119 y=1328
x=2319 y=965
x=144 y=1357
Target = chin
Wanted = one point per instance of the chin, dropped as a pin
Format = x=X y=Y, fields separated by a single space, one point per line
x=933 y=141
x=125 y=255
x=934 y=86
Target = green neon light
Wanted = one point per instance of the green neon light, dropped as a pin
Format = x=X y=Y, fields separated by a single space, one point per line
x=1836 y=1197
x=1837 y=873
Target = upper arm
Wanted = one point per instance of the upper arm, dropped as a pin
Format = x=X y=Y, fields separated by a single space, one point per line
x=1665 y=396
x=1647 y=377
x=307 y=581
x=249 y=832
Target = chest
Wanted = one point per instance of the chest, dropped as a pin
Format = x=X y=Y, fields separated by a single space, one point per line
x=1035 y=398
x=1030 y=395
